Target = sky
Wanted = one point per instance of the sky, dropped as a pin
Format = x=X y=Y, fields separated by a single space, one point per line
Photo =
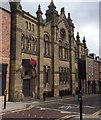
x=85 y=16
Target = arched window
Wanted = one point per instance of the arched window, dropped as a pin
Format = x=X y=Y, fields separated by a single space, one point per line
x=66 y=51
x=65 y=75
x=60 y=50
x=26 y=25
x=27 y=42
x=32 y=27
x=29 y=26
x=59 y=75
x=34 y=45
x=32 y=39
x=47 y=45
x=46 y=74
x=23 y=42
x=62 y=75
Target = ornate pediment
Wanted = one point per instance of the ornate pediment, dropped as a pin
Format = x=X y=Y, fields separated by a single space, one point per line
x=64 y=20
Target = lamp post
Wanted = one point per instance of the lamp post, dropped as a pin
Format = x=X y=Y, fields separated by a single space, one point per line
x=81 y=76
x=80 y=89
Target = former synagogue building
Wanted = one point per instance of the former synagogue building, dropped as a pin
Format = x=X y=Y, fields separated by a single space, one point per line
x=43 y=54
x=48 y=44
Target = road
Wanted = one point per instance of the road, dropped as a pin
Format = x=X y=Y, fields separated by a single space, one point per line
x=61 y=109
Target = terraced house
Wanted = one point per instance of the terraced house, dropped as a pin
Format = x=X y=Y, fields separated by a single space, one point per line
x=43 y=54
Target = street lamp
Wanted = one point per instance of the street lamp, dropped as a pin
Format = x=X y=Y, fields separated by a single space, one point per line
x=81 y=76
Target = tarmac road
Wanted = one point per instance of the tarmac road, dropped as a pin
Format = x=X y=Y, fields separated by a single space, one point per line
x=62 y=109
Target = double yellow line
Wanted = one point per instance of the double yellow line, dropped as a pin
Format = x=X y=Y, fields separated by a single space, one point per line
x=71 y=116
x=20 y=110
x=97 y=113
x=67 y=117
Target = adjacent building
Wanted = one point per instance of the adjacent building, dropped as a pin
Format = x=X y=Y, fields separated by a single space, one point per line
x=93 y=73
x=96 y=75
x=5 y=28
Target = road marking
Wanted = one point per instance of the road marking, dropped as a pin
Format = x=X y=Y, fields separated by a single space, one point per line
x=88 y=116
x=78 y=116
x=69 y=106
x=67 y=117
x=89 y=106
x=19 y=110
x=65 y=112
x=97 y=113
x=61 y=111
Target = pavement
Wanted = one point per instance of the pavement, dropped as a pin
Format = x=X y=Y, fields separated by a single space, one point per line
x=11 y=106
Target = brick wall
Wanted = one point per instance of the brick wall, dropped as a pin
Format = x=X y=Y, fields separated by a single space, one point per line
x=5 y=26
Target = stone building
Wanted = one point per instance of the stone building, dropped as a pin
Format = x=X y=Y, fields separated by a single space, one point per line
x=96 y=74
x=43 y=57
x=99 y=75
x=93 y=73
x=5 y=23
x=90 y=73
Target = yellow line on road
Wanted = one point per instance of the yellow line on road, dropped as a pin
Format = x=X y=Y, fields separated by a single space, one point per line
x=67 y=116
x=19 y=110
x=97 y=113
x=71 y=116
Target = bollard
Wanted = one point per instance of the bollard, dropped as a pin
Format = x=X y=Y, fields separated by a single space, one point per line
x=44 y=96
x=5 y=94
x=61 y=94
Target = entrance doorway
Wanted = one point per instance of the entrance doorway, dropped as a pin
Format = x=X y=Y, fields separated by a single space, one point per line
x=3 y=75
x=26 y=87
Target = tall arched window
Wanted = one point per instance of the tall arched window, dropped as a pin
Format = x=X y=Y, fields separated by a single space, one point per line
x=27 y=42
x=32 y=27
x=47 y=45
x=66 y=51
x=60 y=50
x=26 y=25
x=29 y=26
x=46 y=74
x=62 y=75
x=35 y=45
x=29 y=46
x=23 y=42
x=59 y=75
x=65 y=75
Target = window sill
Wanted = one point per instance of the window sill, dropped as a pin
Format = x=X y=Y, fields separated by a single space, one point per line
x=29 y=52
x=62 y=59
x=47 y=56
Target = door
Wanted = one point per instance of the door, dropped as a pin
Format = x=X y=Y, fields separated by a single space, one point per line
x=4 y=73
x=26 y=87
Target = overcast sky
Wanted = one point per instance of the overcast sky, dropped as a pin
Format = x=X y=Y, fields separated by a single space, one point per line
x=85 y=16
